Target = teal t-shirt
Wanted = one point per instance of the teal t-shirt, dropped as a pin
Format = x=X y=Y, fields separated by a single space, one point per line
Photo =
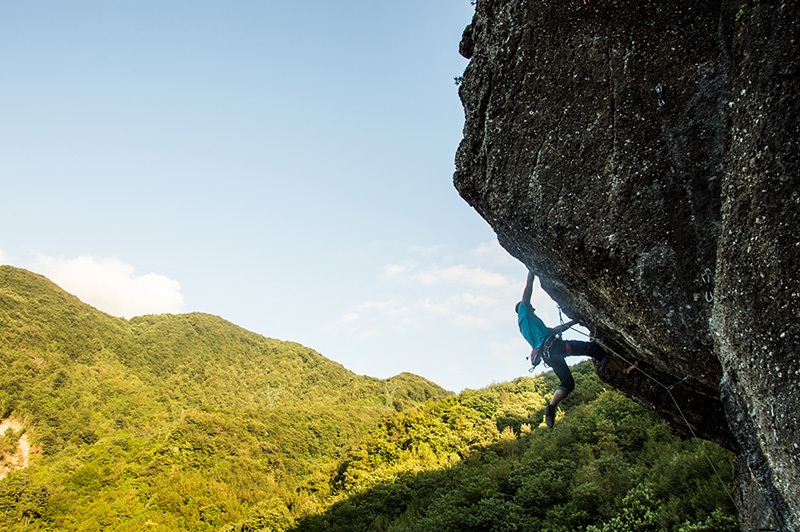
x=531 y=326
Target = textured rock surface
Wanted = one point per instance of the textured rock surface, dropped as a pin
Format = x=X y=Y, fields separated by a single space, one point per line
x=642 y=157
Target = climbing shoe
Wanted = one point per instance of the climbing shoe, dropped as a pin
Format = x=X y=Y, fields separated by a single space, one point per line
x=549 y=416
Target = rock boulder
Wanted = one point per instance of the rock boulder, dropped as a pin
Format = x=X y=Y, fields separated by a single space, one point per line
x=642 y=158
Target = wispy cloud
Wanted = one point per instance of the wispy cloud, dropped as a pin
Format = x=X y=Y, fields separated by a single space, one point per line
x=461 y=273
x=437 y=293
x=398 y=270
x=493 y=253
x=436 y=274
x=426 y=251
x=112 y=286
x=469 y=321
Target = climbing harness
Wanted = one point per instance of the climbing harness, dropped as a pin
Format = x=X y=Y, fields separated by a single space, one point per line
x=542 y=353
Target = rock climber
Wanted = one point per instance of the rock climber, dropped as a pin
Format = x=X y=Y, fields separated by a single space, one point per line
x=549 y=347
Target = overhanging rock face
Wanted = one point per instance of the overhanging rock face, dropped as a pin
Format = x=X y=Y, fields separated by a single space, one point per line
x=642 y=157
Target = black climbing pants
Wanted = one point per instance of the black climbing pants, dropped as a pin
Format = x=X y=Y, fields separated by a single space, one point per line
x=561 y=349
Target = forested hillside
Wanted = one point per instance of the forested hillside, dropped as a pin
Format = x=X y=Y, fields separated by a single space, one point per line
x=480 y=461
x=175 y=421
x=188 y=422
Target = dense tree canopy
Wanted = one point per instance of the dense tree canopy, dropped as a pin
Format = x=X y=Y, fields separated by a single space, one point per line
x=188 y=422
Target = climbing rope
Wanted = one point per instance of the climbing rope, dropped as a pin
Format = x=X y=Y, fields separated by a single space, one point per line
x=674 y=401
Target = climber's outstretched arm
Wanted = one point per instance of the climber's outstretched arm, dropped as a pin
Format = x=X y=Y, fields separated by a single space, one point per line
x=528 y=292
x=563 y=327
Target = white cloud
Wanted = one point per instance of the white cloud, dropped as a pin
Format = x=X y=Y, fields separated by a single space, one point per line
x=394 y=307
x=436 y=274
x=431 y=291
x=374 y=317
x=492 y=252
x=473 y=276
x=397 y=270
x=350 y=317
x=468 y=321
x=4 y=258
x=426 y=251
x=480 y=300
x=111 y=285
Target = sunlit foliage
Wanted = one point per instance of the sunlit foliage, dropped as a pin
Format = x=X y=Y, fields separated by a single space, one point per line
x=190 y=423
x=482 y=461
x=175 y=422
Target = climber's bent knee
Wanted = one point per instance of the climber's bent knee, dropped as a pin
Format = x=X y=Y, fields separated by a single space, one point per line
x=566 y=389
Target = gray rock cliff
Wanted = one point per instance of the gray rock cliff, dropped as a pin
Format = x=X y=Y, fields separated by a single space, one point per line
x=642 y=157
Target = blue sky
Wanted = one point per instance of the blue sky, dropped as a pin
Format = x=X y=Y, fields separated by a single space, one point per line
x=284 y=165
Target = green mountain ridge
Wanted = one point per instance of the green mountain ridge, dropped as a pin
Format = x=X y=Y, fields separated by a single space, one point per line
x=181 y=389
x=189 y=422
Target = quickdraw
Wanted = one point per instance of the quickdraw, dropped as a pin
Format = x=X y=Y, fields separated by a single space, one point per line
x=708 y=289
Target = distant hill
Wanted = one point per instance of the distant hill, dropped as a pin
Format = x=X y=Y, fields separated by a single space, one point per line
x=161 y=415
x=188 y=422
